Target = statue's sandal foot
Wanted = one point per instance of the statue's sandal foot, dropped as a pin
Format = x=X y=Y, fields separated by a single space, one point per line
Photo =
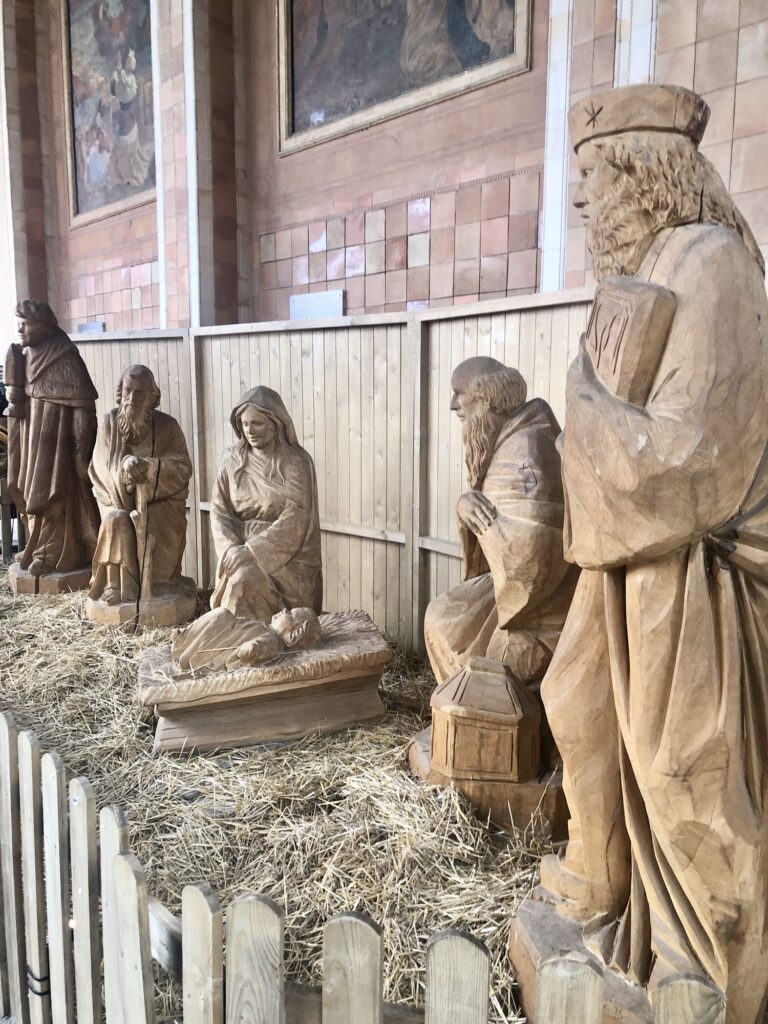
x=37 y=567
x=111 y=595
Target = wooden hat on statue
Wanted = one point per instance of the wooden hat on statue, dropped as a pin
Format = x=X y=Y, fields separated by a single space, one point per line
x=644 y=108
x=485 y=725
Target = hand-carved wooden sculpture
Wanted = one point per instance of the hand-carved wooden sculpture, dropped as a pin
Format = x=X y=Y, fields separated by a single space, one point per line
x=51 y=432
x=263 y=665
x=513 y=602
x=517 y=586
x=657 y=691
x=140 y=473
x=264 y=515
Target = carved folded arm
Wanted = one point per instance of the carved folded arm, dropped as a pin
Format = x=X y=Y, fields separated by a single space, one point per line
x=281 y=541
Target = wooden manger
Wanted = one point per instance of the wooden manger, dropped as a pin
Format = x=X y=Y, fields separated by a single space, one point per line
x=321 y=689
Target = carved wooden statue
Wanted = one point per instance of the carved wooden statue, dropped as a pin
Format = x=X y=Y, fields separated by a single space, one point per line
x=657 y=691
x=511 y=606
x=140 y=473
x=51 y=433
x=264 y=665
x=264 y=515
x=517 y=586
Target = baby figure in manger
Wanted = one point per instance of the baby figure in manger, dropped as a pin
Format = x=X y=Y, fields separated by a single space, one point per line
x=264 y=665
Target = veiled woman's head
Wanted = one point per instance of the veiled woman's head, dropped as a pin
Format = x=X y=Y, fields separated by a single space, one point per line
x=262 y=424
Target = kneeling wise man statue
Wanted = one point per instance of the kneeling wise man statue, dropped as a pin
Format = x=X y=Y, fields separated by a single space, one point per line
x=656 y=694
x=140 y=472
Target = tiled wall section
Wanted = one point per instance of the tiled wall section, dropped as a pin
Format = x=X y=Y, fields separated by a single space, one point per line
x=476 y=242
x=720 y=49
x=592 y=63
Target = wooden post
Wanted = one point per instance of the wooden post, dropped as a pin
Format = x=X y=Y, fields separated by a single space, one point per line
x=203 y=955
x=16 y=1002
x=131 y=925
x=255 y=971
x=685 y=999
x=31 y=814
x=352 y=971
x=458 y=980
x=6 y=528
x=57 y=897
x=85 y=901
x=418 y=331
x=113 y=839
x=569 y=990
x=198 y=455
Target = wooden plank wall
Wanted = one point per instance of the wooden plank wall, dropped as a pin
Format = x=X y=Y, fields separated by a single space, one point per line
x=540 y=342
x=348 y=390
x=365 y=394
x=167 y=355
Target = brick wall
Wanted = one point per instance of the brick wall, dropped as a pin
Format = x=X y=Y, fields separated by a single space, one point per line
x=457 y=245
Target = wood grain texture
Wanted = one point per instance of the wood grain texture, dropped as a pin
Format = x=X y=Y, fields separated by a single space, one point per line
x=686 y=999
x=131 y=925
x=165 y=937
x=203 y=956
x=31 y=814
x=86 y=937
x=255 y=972
x=57 y=892
x=569 y=990
x=113 y=840
x=458 y=980
x=10 y=872
x=352 y=971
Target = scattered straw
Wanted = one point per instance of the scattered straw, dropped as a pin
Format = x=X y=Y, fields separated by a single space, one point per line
x=333 y=823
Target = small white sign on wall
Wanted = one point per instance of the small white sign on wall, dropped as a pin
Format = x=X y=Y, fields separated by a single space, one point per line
x=317 y=305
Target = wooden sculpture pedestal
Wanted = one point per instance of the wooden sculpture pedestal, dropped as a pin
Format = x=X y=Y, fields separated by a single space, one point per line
x=23 y=582
x=320 y=689
x=505 y=802
x=171 y=604
x=538 y=933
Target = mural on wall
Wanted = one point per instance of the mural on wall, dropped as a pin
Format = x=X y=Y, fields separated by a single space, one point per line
x=349 y=55
x=110 y=64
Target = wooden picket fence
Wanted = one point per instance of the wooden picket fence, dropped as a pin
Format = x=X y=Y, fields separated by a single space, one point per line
x=80 y=930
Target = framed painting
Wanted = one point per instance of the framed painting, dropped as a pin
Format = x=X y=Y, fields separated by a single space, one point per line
x=347 y=64
x=110 y=108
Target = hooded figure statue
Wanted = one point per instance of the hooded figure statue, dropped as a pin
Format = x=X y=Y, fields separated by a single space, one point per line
x=264 y=515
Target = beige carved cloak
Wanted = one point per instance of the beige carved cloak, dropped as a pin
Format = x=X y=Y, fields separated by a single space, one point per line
x=517 y=586
x=48 y=453
x=169 y=471
x=657 y=692
x=273 y=512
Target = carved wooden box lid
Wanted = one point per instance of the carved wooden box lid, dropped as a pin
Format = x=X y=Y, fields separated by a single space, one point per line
x=485 y=725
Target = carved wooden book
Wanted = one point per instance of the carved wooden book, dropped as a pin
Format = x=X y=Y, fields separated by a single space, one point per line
x=627 y=332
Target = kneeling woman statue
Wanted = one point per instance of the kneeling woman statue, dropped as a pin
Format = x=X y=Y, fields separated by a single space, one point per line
x=264 y=515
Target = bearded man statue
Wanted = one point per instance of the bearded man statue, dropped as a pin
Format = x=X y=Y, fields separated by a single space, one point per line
x=140 y=473
x=517 y=586
x=657 y=691
x=51 y=432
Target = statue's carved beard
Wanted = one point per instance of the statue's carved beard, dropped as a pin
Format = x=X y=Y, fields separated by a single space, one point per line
x=133 y=426
x=479 y=433
x=619 y=231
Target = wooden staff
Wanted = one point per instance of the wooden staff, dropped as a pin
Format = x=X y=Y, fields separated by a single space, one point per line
x=144 y=541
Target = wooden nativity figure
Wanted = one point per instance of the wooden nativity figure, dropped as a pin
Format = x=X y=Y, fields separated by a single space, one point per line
x=51 y=433
x=515 y=596
x=140 y=473
x=657 y=691
x=264 y=665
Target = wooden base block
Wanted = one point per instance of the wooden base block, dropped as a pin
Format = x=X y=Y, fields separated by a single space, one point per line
x=539 y=932
x=505 y=801
x=170 y=606
x=275 y=718
x=23 y=582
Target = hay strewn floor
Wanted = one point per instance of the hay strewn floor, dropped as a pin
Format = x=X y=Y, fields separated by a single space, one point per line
x=334 y=823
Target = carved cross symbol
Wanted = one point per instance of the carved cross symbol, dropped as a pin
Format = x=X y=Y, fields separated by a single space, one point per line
x=593 y=115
